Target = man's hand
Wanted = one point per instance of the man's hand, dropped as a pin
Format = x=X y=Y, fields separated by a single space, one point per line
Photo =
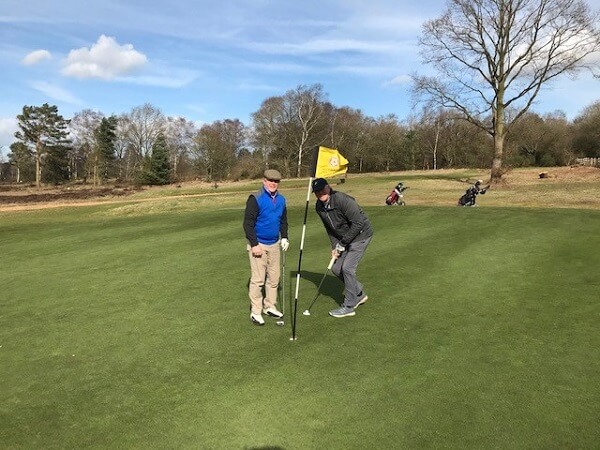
x=256 y=251
x=338 y=250
x=285 y=244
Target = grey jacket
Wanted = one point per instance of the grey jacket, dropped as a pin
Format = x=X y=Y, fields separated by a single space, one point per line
x=344 y=220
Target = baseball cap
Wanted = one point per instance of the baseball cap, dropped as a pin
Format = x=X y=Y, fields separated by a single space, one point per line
x=319 y=184
x=272 y=174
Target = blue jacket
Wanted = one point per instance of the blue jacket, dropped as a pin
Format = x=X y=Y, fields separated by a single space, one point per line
x=265 y=218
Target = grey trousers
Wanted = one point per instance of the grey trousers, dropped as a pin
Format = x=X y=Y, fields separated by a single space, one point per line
x=345 y=269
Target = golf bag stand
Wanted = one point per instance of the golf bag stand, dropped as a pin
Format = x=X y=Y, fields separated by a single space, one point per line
x=469 y=198
x=395 y=197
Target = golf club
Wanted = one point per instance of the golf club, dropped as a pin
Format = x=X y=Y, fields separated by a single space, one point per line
x=307 y=311
x=282 y=284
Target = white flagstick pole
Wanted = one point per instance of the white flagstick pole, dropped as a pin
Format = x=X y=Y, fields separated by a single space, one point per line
x=293 y=338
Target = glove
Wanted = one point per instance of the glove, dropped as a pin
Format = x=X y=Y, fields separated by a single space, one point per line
x=285 y=244
x=339 y=248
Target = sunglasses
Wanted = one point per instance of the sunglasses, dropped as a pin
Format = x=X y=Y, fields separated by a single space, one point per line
x=272 y=180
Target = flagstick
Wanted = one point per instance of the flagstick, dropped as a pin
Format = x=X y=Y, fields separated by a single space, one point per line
x=293 y=338
x=335 y=165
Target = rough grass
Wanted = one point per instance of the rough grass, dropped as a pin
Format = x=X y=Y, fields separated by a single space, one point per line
x=566 y=187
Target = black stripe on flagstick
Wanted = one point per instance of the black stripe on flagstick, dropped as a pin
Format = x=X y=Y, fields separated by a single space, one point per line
x=313 y=167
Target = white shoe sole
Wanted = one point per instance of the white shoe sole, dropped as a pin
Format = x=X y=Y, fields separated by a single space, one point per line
x=339 y=316
x=362 y=302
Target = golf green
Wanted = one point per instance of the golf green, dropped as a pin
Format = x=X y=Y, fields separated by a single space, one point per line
x=133 y=331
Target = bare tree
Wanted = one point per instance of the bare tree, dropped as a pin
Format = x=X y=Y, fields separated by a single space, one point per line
x=349 y=131
x=307 y=104
x=268 y=130
x=431 y=125
x=218 y=145
x=539 y=141
x=120 y=144
x=82 y=127
x=497 y=54
x=179 y=135
x=140 y=129
x=387 y=142
x=286 y=127
x=586 y=139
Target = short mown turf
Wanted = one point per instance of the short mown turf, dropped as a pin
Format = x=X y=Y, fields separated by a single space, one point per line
x=481 y=331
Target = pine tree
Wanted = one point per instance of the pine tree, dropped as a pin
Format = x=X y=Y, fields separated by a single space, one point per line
x=46 y=131
x=56 y=164
x=158 y=167
x=104 y=154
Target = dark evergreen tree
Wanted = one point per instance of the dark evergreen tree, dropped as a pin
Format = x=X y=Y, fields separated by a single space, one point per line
x=56 y=164
x=158 y=168
x=104 y=155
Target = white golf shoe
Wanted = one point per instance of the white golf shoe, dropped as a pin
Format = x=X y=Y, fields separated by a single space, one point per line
x=257 y=319
x=273 y=312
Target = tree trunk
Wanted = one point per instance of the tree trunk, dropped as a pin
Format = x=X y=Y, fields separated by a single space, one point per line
x=499 y=134
x=435 y=145
x=496 y=174
x=38 y=169
x=299 y=166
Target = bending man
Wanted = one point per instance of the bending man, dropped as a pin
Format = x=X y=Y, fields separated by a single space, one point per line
x=350 y=232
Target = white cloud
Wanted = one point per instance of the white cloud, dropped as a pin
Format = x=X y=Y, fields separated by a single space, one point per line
x=164 y=76
x=399 y=80
x=159 y=81
x=106 y=59
x=317 y=46
x=55 y=92
x=8 y=127
x=35 y=57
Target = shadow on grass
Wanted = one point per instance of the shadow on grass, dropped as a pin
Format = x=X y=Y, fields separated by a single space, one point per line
x=265 y=447
x=332 y=287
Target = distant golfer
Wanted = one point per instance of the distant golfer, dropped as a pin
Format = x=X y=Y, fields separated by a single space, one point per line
x=350 y=232
x=266 y=228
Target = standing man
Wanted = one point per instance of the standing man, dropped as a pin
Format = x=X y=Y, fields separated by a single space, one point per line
x=265 y=222
x=350 y=232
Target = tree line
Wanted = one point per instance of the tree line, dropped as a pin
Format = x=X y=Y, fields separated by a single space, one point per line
x=144 y=146
x=491 y=59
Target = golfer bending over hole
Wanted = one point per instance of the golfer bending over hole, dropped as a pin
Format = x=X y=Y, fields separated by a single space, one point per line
x=350 y=232
x=265 y=221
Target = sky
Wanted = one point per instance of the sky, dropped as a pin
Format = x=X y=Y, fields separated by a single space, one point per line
x=209 y=60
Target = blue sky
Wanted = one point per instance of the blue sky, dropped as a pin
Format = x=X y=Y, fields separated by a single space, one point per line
x=213 y=60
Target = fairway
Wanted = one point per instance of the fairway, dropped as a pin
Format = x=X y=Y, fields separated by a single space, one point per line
x=132 y=331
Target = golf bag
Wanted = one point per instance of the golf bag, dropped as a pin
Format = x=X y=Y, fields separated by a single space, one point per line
x=395 y=197
x=469 y=198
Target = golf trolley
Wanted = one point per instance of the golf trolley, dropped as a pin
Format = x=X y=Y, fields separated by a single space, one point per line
x=470 y=196
x=395 y=197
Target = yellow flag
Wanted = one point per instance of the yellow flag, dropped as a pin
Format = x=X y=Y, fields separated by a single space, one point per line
x=330 y=163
